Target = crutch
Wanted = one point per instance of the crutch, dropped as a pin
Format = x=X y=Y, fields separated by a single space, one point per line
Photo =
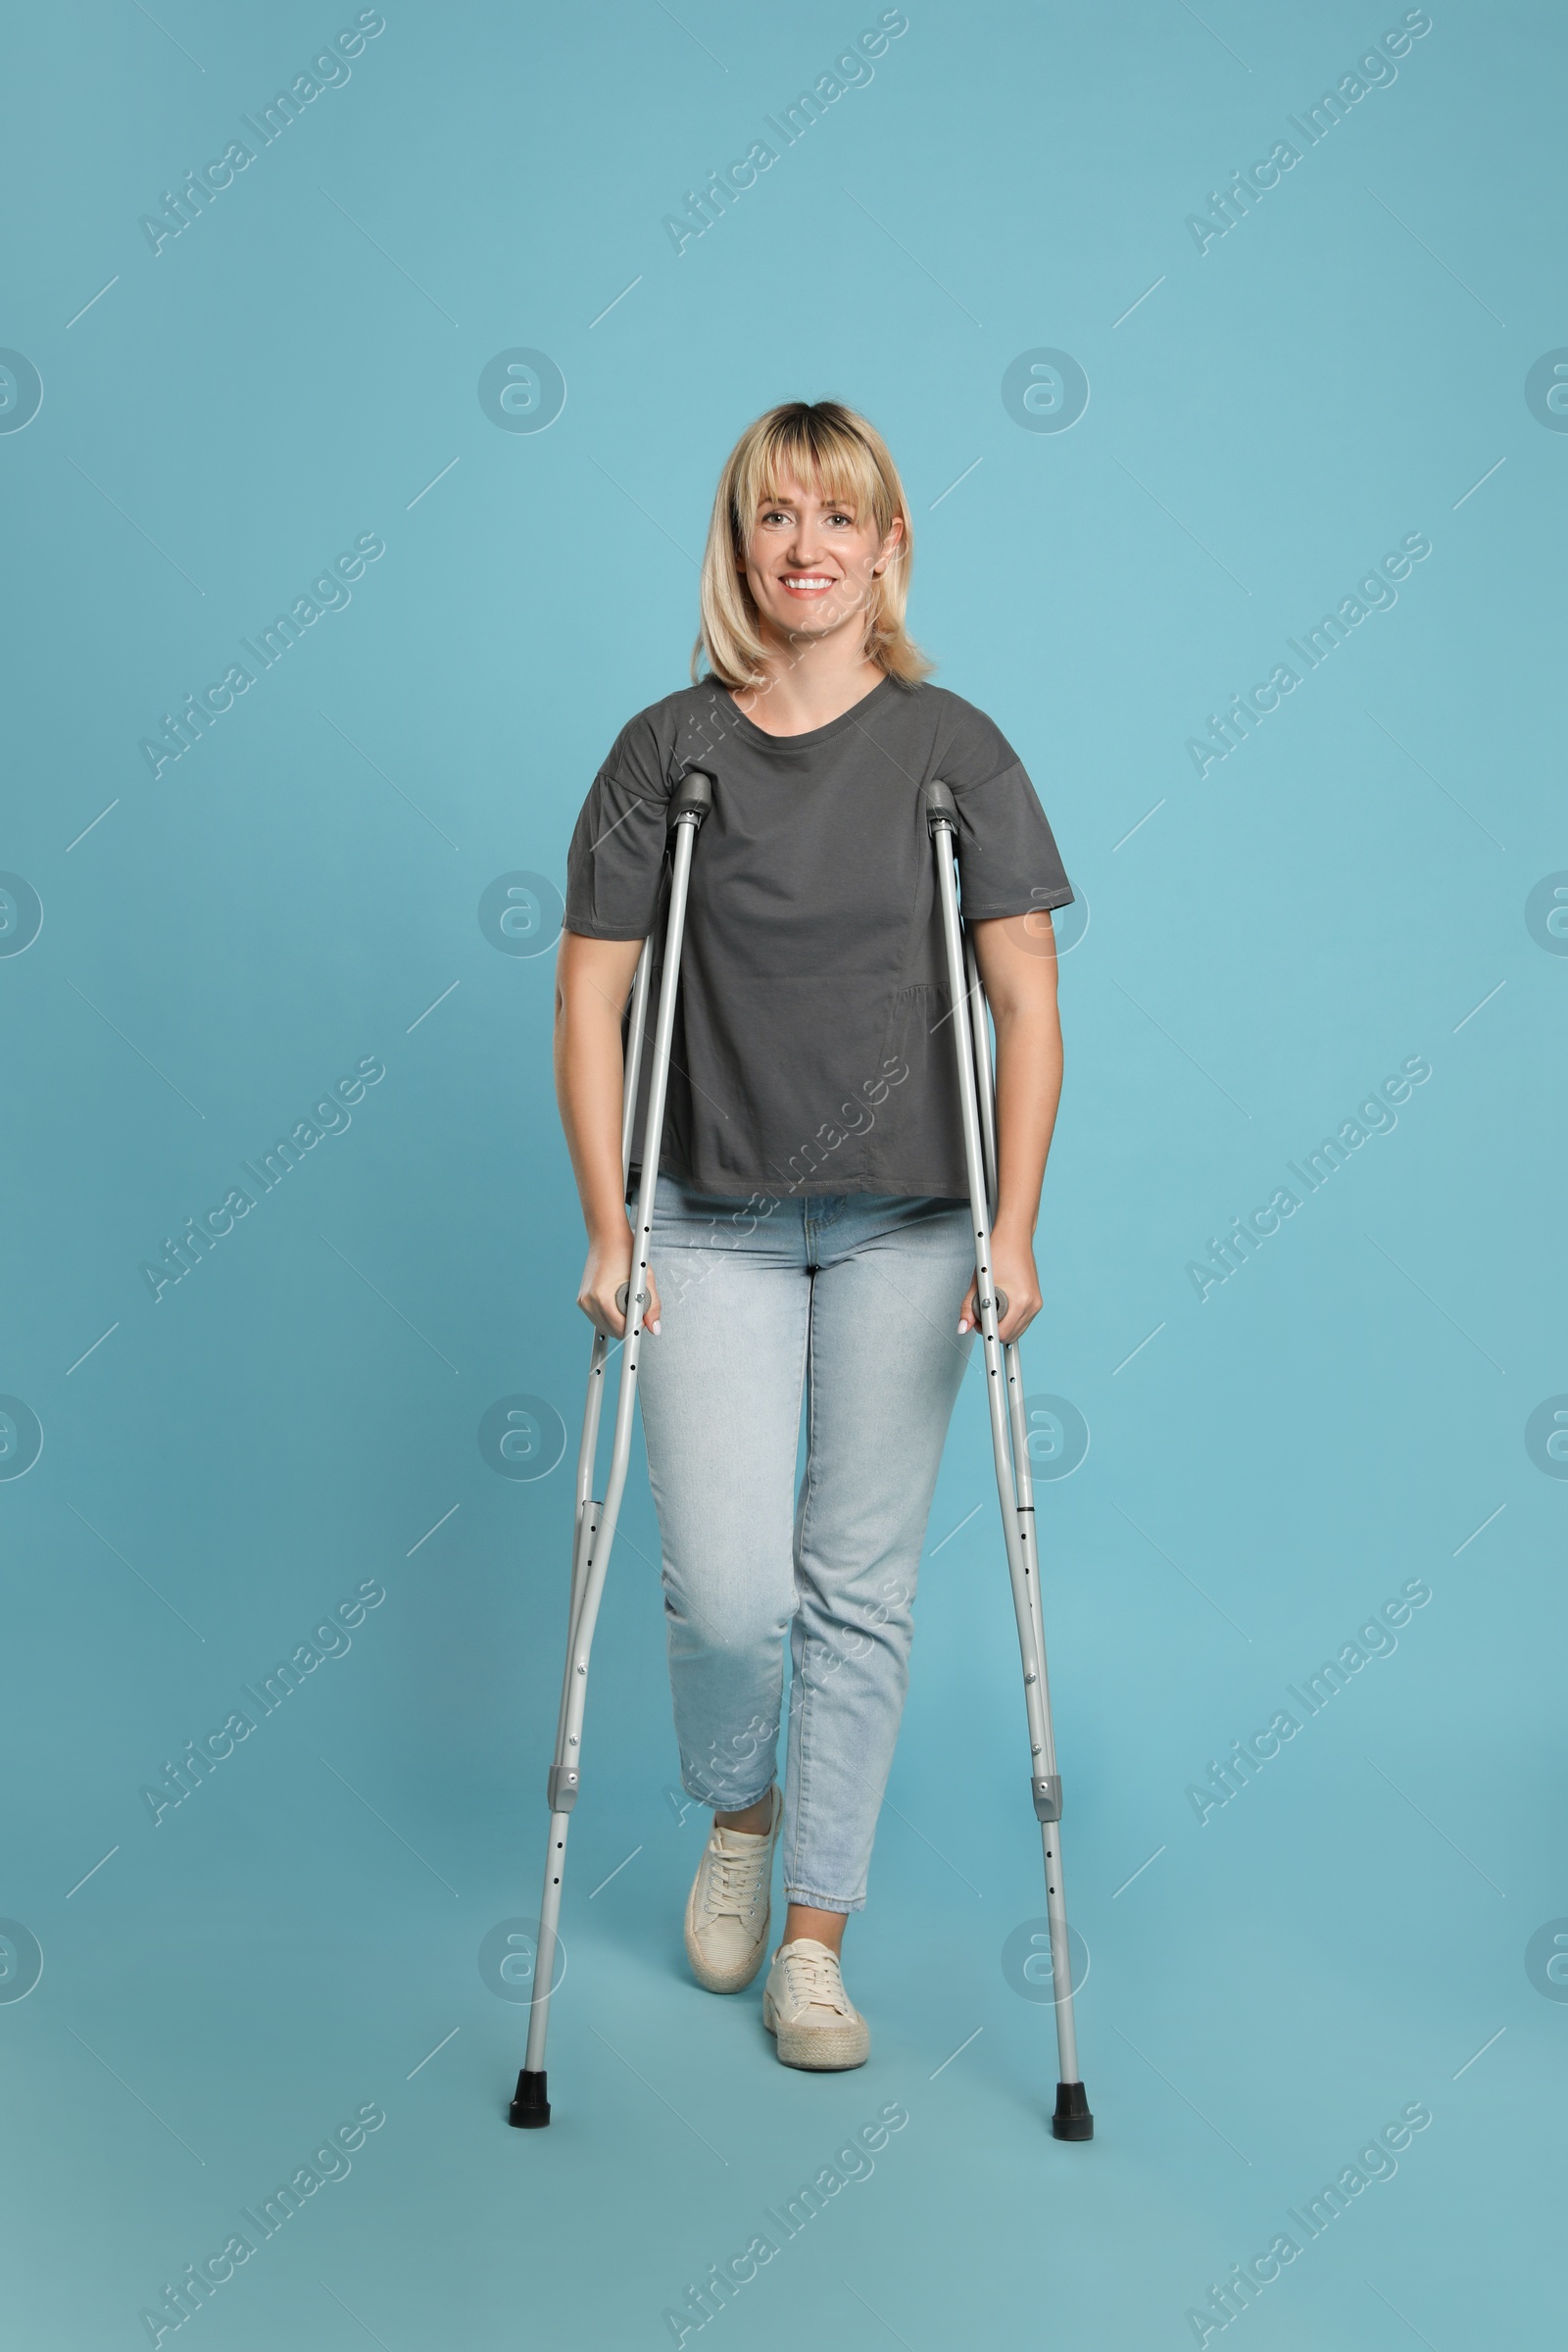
x=595 y=1527
x=1008 y=1437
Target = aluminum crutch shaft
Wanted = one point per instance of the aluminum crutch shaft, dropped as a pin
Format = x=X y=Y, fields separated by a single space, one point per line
x=1023 y=1476
x=587 y=1451
x=595 y=1525
x=1008 y=1437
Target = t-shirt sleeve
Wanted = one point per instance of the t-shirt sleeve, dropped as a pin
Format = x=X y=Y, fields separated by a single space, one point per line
x=1008 y=862
x=617 y=853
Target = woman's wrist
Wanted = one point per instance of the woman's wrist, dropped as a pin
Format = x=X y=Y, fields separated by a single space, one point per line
x=1013 y=1227
x=607 y=1227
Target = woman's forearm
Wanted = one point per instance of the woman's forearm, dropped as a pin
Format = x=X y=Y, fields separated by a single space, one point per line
x=593 y=979
x=1028 y=1090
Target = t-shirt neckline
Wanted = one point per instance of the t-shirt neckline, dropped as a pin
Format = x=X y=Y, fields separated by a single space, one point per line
x=760 y=737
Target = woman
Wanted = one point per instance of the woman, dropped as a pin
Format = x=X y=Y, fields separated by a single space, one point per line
x=811 y=1231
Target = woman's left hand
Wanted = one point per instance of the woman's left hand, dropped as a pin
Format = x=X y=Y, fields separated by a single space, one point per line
x=1013 y=1270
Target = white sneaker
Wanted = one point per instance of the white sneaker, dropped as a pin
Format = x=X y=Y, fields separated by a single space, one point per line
x=804 y=2004
x=728 y=1909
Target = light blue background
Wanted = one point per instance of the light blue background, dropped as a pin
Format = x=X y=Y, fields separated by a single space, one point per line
x=1342 y=368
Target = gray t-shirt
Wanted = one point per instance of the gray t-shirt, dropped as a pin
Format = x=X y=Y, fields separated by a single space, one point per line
x=810 y=1051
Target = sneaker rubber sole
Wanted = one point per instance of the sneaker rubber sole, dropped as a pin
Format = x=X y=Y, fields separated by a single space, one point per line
x=818 y=2049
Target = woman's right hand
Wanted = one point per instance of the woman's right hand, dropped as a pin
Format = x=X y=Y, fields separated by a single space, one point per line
x=602 y=1294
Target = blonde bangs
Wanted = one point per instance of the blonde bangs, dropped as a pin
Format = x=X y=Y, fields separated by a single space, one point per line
x=816 y=454
x=837 y=454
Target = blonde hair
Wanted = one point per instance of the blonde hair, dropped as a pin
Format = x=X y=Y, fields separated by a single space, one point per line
x=835 y=452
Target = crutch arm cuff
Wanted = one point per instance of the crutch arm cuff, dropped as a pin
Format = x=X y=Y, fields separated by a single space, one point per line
x=941 y=810
x=692 y=797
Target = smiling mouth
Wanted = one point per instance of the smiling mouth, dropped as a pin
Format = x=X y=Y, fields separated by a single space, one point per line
x=808 y=583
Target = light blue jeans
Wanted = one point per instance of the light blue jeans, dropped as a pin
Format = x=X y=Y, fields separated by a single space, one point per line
x=853 y=1300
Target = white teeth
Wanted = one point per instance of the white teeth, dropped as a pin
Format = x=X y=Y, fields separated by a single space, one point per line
x=806 y=579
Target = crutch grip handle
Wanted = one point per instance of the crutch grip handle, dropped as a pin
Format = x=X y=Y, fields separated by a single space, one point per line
x=692 y=797
x=1001 y=1304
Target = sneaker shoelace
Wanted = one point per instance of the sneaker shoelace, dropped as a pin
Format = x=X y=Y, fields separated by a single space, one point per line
x=734 y=1881
x=811 y=1980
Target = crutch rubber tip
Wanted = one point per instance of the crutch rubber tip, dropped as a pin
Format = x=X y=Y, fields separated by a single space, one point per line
x=1073 y=2119
x=530 y=2109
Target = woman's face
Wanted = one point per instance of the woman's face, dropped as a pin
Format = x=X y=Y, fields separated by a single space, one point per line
x=808 y=563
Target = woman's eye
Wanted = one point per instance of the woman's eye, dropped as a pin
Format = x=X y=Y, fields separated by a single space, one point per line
x=773 y=514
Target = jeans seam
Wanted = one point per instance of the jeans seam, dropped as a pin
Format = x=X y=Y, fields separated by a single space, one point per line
x=800 y=1725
